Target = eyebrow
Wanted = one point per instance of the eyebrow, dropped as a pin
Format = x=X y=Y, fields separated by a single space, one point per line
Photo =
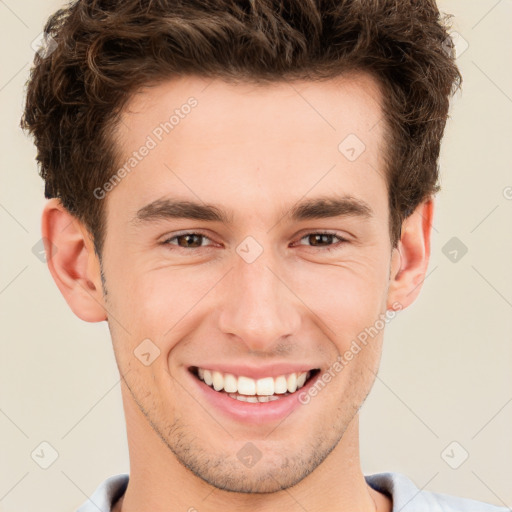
x=309 y=209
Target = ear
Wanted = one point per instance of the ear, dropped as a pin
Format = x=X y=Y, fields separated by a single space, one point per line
x=410 y=259
x=71 y=259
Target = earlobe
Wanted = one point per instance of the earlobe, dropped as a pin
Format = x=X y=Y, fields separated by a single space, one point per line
x=72 y=262
x=410 y=259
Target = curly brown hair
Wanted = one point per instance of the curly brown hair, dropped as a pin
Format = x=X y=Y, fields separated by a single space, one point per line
x=108 y=49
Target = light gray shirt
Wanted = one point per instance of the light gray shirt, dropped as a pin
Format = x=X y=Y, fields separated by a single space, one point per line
x=405 y=495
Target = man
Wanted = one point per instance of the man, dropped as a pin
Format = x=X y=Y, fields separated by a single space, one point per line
x=294 y=146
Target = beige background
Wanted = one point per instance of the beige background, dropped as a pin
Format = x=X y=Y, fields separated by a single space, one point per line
x=446 y=368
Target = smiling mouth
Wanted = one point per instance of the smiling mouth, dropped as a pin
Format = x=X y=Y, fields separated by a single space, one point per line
x=245 y=389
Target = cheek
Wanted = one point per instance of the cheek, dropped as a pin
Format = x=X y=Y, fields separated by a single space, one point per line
x=346 y=297
x=341 y=297
x=158 y=304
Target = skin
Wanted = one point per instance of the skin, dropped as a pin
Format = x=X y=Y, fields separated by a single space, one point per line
x=256 y=151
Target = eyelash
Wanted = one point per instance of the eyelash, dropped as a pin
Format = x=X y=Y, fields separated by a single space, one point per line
x=327 y=248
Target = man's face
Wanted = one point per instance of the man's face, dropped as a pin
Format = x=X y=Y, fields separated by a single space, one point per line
x=262 y=290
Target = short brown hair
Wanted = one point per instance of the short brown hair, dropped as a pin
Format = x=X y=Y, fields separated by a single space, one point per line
x=108 y=49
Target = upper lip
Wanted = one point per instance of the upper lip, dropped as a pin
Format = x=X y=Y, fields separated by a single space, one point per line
x=257 y=372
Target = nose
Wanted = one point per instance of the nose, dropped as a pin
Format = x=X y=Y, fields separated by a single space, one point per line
x=258 y=305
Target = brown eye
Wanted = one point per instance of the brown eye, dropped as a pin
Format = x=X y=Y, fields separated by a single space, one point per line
x=325 y=241
x=187 y=240
x=320 y=239
x=190 y=240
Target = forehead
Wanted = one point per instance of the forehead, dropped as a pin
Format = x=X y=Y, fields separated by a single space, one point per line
x=351 y=101
x=241 y=143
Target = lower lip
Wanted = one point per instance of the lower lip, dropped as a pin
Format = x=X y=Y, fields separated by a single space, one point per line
x=253 y=412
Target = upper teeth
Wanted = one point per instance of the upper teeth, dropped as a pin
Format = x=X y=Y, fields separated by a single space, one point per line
x=246 y=386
